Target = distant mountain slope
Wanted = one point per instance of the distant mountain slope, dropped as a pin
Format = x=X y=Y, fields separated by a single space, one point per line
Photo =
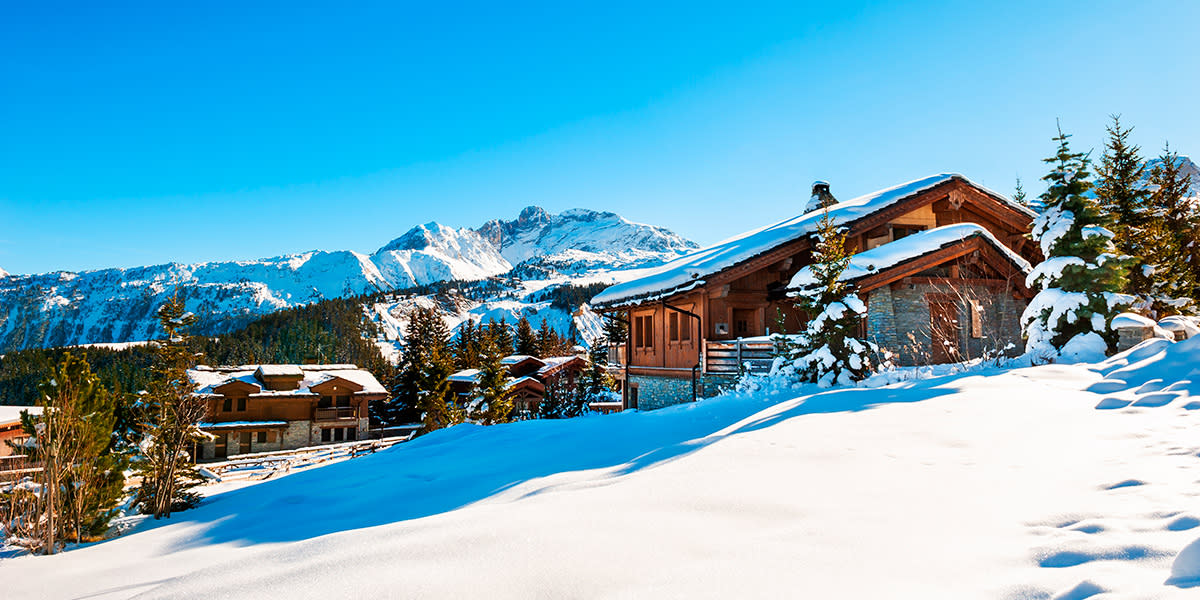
x=1187 y=168
x=3 y=273
x=580 y=237
x=117 y=305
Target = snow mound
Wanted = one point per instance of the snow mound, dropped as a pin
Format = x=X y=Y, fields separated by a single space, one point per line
x=1156 y=372
x=1084 y=348
x=1185 y=571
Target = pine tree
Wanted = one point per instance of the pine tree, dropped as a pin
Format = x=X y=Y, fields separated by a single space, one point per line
x=493 y=403
x=172 y=413
x=548 y=342
x=554 y=401
x=435 y=398
x=466 y=346
x=82 y=478
x=527 y=340
x=1175 y=241
x=500 y=335
x=1019 y=195
x=1082 y=275
x=424 y=356
x=595 y=384
x=827 y=352
x=1123 y=200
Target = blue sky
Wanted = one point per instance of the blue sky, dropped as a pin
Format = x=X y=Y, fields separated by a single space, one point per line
x=141 y=134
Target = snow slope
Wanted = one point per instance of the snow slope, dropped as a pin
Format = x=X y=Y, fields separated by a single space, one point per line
x=117 y=305
x=3 y=273
x=988 y=484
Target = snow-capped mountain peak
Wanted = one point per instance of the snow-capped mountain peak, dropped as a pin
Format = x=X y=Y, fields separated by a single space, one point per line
x=3 y=273
x=604 y=236
x=434 y=252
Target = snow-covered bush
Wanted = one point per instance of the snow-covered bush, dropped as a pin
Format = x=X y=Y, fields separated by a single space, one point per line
x=1080 y=279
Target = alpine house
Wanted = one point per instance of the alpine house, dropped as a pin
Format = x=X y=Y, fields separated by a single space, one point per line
x=941 y=263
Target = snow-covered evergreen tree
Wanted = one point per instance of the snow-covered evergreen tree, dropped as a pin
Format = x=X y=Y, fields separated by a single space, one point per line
x=526 y=340
x=1081 y=278
x=1175 y=238
x=827 y=352
x=493 y=398
x=1122 y=198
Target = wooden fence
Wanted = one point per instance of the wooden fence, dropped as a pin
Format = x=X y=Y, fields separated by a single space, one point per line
x=736 y=357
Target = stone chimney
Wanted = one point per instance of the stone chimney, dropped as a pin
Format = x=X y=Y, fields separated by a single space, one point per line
x=821 y=197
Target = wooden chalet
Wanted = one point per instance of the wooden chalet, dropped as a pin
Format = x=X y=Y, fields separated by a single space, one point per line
x=528 y=377
x=263 y=408
x=935 y=290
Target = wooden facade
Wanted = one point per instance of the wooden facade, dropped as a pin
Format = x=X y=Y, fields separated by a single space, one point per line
x=528 y=378
x=281 y=407
x=670 y=332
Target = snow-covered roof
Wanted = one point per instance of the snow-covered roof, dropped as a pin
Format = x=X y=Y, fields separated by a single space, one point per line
x=1134 y=320
x=512 y=383
x=205 y=379
x=280 y=370
x=689 y=271
x=907 y=248
x=513 y=359
x=465 y=376
x=12 y=414
x=241 y=424
x=553 y=363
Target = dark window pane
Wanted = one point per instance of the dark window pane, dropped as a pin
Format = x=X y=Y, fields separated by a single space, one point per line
x=241 y=404
x=262 y=437
x=338 y=434
x=325 y=435
x=325 y=402
x=227 y=406
x=352 y=433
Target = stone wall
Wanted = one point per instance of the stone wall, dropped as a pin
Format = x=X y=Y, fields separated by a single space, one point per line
x=297 y=435
x=898 y=320
x=656 y=391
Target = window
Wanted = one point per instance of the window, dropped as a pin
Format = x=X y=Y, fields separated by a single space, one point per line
x=326 y=435
x=643 y=332
x=685 y=328
x=241 y=405
x=338 y=434
x=673 y=326
x=262 y=437
x=227 y=406
x=901 y=232
x=342 y=401
x=351 y=433
x=325 y=402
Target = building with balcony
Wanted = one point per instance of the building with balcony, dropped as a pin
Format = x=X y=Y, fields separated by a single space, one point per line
x=940 y=263
x=263 y=408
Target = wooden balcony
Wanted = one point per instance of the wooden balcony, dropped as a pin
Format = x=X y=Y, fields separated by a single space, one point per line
x=736 y=357
x=335 y=414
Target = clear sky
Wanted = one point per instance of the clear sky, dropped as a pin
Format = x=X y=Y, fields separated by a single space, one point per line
x=171 y=131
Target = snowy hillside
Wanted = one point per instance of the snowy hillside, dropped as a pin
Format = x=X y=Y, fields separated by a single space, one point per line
x=580 y=239
x=117 y=305
x=988 y=484
x=3 y=273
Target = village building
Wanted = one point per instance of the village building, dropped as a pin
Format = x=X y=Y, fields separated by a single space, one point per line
x=528 y=377
x=11 y=432
x=263 y=408
x=940 y=263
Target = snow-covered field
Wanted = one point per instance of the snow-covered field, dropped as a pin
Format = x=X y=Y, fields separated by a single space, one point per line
x=1044 y=482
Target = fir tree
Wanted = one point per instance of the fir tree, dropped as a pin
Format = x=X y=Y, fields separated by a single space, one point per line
x=1082 y=275
x=1019 y=195
x=548 y=342
x=827 y=351
x=527 y=340
x=435 y=398
x=425 y=354
x=554 y=401
x=1175 y=241
x=466 y=346
x=493 y=399
x=1123 y=200
x=500 y=335
x=595 y=384
x=172 y=412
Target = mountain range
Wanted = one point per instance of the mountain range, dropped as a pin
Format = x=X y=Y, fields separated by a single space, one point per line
x=118 y=305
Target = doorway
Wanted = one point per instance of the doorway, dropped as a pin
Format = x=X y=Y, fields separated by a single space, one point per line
x=221 y=450
x=944 y=329
x=743 y=322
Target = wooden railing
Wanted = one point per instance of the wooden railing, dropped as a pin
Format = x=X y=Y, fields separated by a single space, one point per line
x=737 y=357
x=335 y=414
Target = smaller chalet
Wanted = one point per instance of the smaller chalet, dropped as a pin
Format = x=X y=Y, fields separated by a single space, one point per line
x=528 y=377
x=11 y=432
x=263 y=408
x=940 y=263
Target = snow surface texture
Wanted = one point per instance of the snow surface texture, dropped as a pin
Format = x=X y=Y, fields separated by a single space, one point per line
x=913 y=246
x=688 y=271
x=988 y=484
x=3 y=273
x=118 y=305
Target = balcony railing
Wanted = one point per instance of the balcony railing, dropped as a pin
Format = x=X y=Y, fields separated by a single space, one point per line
x=335 y=414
